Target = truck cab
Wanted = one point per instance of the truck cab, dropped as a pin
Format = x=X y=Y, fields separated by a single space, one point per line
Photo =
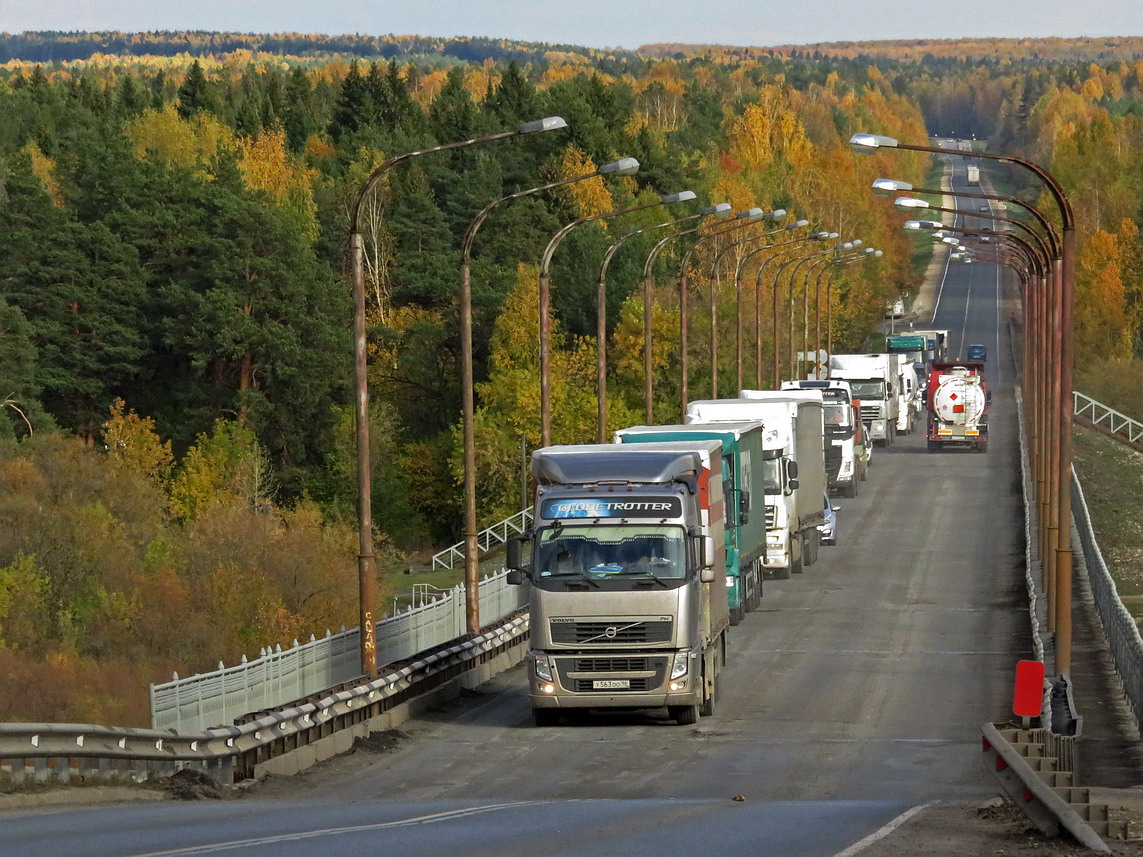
x=844 y=462
x=626 y=609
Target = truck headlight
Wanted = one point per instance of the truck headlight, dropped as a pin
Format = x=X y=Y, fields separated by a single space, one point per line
x=775 y=539
x=543 y=668
x=730 y=578
x=679 y=667
x=846 y=468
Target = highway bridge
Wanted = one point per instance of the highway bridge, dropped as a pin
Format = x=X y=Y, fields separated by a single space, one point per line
x=852 y=699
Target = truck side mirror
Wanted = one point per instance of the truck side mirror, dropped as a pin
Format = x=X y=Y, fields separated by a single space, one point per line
x=794 y=484
x=514 y=577
x=706 y=554
x=512 y=549
x=706 y=575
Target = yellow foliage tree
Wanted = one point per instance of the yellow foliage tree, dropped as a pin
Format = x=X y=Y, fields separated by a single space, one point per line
x=132 y=440
x=589 y=197
x=266 y=165
x=44 y=169
x=190 y=142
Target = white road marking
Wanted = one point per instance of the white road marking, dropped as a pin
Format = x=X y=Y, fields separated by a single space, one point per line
x=336 y=831
x=876 y=836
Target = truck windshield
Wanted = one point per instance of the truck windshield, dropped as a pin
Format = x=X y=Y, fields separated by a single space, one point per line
x=868 y=389
x=619 y=554
x=772 y=476
x=837 y=415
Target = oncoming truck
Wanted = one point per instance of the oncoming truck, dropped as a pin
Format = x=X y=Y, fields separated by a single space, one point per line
x=626 y=607
x=743 y=476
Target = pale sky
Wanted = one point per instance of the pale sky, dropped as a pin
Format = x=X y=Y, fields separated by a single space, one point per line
x=598 y=23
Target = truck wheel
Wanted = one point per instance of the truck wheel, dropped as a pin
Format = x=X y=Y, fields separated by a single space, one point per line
x=849 y=490
x=864 y=472
x=736 y=616
x=933 y=446
x=782 y=573
x=982 y=446
x=546 y=716
x=684 y=715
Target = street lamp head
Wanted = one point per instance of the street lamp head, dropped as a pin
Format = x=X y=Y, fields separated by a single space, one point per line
x=681 y=196
x=832 y=235
x=865 y=144
x=799 y=224
x=857 y=242
x=819 y=236
x=720 y=210
x=777 y=215
x=751 y=214
x=848 y=245
x=548 y=123
x=908 y=203
x=888 y=187
x=870 y=250
x=622 y=167
x=923 y=224
x=877 y=254
x=948 y=239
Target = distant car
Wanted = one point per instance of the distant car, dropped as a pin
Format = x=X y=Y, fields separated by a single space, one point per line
x=977 y=353
x=985 y=208
x=829 y=528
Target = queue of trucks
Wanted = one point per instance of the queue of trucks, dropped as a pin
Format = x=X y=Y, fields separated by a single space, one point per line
x=644 y=552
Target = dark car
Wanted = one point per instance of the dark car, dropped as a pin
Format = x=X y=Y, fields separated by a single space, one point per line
x=977 y=353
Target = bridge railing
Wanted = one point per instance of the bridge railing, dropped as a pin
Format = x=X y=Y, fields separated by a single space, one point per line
x=1108 y=418
x=281 y=676
x=486 y=539
x=1119 y=625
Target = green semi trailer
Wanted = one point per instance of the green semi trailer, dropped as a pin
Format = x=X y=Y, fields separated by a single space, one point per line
x=744 y=480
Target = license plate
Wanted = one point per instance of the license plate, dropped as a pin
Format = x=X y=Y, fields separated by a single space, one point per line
x=611 y=684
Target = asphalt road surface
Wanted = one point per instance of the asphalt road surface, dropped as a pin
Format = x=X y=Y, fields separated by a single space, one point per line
x=854 y=696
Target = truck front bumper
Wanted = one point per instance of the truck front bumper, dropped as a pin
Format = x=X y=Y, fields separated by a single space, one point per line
x=612 y=679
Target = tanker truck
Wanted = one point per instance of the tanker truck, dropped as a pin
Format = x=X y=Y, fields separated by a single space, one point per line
x=958 y=406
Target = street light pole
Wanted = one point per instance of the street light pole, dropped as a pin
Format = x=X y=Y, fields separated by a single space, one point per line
x=776 y=215
x=471 y=548
x=366 y=560
x=601 y=319
x=545 y=291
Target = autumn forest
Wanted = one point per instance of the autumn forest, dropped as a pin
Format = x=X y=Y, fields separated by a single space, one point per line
x=177 y=482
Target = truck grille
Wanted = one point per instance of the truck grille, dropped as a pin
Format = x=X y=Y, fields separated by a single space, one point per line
x=616 y=633
x=771 y=517
x=871 y=412
x=642 y=673
x=610 y=665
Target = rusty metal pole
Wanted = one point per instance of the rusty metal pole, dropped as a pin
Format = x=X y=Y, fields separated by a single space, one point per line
x=366 y=560
x=1066 y=411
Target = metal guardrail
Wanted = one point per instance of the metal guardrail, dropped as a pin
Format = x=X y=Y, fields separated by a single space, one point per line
x=280 y=676
x=1029 y=791
x=497 y=534
x=1107 y=418
x=62 y=751
x=1119 y=626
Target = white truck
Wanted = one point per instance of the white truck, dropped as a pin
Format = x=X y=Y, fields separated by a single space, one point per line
x=908 y=394
x=973 y=174
x=792 y=446
x=874 y=380
x=845 y=463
